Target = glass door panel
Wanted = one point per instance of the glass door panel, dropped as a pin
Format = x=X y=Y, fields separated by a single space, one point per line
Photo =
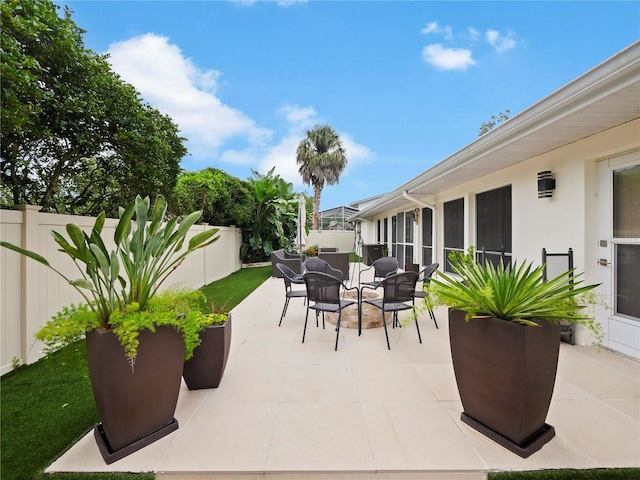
x=628 y=280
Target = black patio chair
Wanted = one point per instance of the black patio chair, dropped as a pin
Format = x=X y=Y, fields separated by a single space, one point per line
x=398 y=294
x=290 y=278
x=382 y=268
x=425 y=277
x=325 y=291
x=316 y=264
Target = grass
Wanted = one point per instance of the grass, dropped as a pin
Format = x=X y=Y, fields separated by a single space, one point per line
x=231 y=290
x=571 y=474
x=46 y=407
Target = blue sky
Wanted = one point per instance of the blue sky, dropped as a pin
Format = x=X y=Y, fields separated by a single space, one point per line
x=406 y=84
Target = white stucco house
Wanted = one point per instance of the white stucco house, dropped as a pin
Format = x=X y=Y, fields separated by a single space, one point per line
x=585 y=138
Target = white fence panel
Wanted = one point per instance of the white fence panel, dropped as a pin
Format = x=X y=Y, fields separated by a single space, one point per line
x=10 y=280
x=342 y=239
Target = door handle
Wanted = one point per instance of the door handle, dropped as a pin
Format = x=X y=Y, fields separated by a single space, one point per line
x=604 y=262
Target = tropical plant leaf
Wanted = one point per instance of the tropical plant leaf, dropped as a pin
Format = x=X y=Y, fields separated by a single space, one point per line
x=157 y=214
x=27 y=253
x=82 y=283
x=77 y=237
x=124 y=225
x=99 y=223
x=202 y=237
x=66 y=246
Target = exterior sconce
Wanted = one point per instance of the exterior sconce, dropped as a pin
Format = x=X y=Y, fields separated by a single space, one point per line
x=416 y=215
x=546 y=184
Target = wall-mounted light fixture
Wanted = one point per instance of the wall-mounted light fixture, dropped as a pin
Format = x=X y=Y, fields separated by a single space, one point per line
x=546 y=184
x=416 y=215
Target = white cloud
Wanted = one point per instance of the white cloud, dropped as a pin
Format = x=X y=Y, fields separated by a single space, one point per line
x=281 y=3
x=288 y=3
x=474 y=34
x=448 y=58
x=300 y=118
x=431 y=27
x=283 y=157
x=177 y=87
x=434 y=27
x=499 y=42
x=356 y=153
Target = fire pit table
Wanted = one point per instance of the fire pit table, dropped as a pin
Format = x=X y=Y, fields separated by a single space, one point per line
x=371 y=316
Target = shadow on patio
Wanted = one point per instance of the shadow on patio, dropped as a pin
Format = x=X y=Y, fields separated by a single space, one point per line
x=286 y=409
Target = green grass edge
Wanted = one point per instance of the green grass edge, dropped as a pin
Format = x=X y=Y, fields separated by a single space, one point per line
x=569 y=474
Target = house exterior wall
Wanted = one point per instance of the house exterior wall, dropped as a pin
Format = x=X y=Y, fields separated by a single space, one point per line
x=32 y=293
x=567 y=220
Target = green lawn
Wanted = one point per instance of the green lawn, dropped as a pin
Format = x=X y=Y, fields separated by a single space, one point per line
x=570 y=474
x=230 y=291
x=47 y=406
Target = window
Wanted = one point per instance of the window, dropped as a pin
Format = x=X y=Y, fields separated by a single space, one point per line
x=386 y=232
x=626 y=232
x=400 y=237
x=378 y=233
x=453 y=229
x=404 y=234
x=427 y=236
x=394 y=236
x=493 y=226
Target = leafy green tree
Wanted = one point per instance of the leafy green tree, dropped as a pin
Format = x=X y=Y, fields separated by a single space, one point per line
x=225 y=200
x=321 y=159
x=495 y=120
x=273 y=224
x=75 y=137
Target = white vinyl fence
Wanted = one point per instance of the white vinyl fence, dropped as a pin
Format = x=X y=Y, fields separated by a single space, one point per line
x=344 y=240
x=30 y=293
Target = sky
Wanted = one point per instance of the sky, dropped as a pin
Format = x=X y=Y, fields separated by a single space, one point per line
x=405 y=83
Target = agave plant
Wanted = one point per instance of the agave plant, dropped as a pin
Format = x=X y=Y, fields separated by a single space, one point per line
x=516 y=293
x=127 y=277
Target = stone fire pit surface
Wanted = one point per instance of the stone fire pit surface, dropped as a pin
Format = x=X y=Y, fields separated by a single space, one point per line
x=371 y=316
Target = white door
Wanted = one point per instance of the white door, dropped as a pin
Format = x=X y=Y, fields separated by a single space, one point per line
x=619 y=252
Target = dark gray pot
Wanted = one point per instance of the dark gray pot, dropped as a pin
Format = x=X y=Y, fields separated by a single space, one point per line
x=136 y=405
x=206 y=367
x=505 y=374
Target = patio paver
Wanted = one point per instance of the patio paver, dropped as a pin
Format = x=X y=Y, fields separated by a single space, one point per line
x=289 y=410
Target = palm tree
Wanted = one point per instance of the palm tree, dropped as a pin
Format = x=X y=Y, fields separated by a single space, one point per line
x=321 y=159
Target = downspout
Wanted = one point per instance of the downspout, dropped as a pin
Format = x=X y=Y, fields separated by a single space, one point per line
x=411 y=198
x=405 y=194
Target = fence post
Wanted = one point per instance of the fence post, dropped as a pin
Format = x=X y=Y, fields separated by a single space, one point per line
x=29 y=279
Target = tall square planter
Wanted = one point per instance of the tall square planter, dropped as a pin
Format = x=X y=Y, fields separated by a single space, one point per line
x=505 y=374
x=206 y=367
x=136 y=403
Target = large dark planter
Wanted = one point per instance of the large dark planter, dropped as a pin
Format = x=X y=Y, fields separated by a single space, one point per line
x=505 y=374
x=136 y=405
x=206 y=367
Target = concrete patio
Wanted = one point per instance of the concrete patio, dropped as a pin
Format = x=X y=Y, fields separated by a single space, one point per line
x=288 y=410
